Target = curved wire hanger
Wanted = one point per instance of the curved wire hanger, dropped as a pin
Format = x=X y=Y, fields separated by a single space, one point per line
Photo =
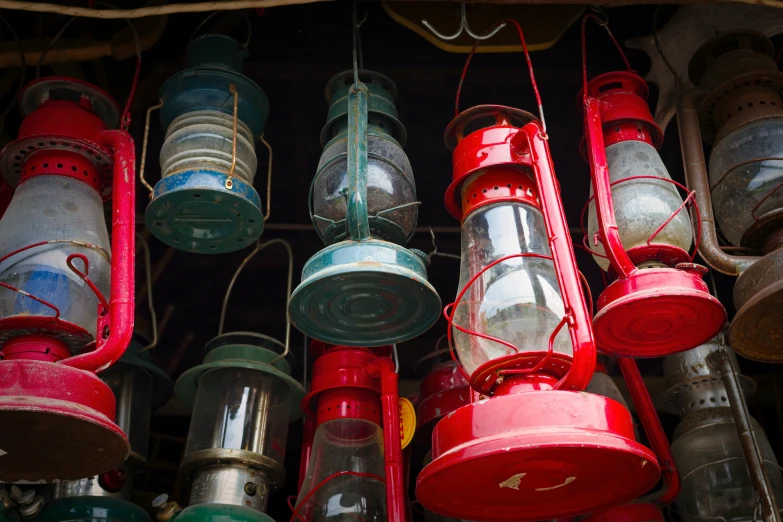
x=463 y=26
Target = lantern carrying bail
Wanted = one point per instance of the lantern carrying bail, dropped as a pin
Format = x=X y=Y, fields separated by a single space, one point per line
x=652 y=311
x=205 y=201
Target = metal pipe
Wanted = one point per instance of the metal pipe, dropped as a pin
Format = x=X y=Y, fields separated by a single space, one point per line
x=696 y=179
x=753 y=458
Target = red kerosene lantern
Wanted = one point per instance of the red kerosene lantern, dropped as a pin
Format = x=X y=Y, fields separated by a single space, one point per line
x=355 y=466
x=658 y=303
x=532 y=445
x=57 y=326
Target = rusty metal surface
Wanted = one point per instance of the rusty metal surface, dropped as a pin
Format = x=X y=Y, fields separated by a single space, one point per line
x=757 y=330
x=689 y=28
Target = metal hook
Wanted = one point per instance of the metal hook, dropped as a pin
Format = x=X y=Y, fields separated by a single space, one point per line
x=463 y=26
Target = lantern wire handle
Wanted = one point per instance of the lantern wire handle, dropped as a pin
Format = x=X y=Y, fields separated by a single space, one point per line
x=212 y=15
x=229 y=182
x=435 y=252
x=463 y=27
x=259 y=247
x=144 y=148
x=268 y=179
x=84 y=276
x=150 y=305
x=603 y=22
x=396 y=359
x=521 y=34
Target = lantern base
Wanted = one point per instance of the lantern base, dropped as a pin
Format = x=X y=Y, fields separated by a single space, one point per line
x=221 y=513
x=535 y=456
x=657 y=312
x=195 y=212
x=757 y=330
x=57 y=423
x=644 y=512
x=92 y=508
x=364 y=293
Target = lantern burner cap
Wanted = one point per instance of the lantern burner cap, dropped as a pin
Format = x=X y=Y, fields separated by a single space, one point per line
x=757 y=330
x=195 y=212
x=72 y=90
x=535 y=456
x=364 y=293
x=657 y=312
x=57 y=423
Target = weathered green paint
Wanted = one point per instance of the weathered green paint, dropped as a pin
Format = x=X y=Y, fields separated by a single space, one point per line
x=220 y=513
x=356 y=215
x=92 y=509
x=242 y=350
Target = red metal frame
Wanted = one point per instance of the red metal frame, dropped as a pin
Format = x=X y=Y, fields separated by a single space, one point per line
x=345 y=376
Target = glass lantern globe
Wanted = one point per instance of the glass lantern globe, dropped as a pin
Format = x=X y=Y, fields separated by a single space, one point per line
x=328 y=493
x=517 y=300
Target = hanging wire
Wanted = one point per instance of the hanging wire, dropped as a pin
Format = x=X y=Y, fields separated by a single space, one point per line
x=50 y=45
x=521 y=35
x=357 y=30
x=435 y=252
x=259 y=247
x=677 y=80
x=23 y=70
x=355 y=43
x=464 y=27
x=603 y=22
x=268 y=179
x=150 y=305
x=201 y=24
x=143 y=160
x=396 y=359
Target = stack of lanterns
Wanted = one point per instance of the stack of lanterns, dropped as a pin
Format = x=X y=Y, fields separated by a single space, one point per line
x=715 y=478
x=139 y=387
x=365 y=288
x=355 y=468
x=57 y=327
x=658 y=303
x=213 y=114
x=540 y=446
x=740 y=112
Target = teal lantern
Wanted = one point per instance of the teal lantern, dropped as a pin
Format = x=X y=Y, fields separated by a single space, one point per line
x=213 y=114
x=365 y=288
x=243 y=398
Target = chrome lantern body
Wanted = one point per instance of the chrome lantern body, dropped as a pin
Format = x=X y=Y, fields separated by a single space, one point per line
x=365 y=288
x=213 y=114
x=737 y=108
x=706 y=446
x=524 y=338
x=641 y=233
x=139 y=387
x=67 y=308
x=355 y=469
x=243 y=398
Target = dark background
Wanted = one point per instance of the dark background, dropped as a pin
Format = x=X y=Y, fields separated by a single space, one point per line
x=293 y=52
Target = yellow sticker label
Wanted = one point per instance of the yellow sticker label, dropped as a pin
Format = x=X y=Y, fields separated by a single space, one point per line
x=407 y=421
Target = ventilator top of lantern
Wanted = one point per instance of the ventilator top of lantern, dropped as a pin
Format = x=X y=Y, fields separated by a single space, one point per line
x=624 y=110
x=490 y=145
x=739 y=72
x=214 y=62
x=692 y=384
x=59 y=134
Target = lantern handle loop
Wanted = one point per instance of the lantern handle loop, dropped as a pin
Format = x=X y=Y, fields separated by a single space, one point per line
x=84 y=276
x=384 y=368
x=537 y=94
x=463 y=27
x=532 y=140
x=144 y=148
x=289 y=284
x=602 y=22
x=654 y=431
x=609 y=232
x=229 y=184
x=116 y=328
x=268 y=178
